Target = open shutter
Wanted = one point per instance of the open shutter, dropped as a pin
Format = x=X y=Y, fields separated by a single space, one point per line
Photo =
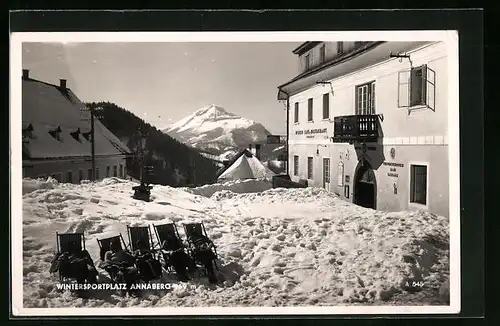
x=423 y=94
x=404 y=88
x=430 y=88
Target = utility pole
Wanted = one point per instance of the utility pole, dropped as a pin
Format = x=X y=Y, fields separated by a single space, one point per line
x=92 y=134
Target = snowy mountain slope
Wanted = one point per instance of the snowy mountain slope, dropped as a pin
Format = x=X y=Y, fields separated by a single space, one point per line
x=277 y=247
x=217 y=131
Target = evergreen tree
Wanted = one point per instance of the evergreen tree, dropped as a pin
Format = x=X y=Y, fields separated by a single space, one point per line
x=162 y=152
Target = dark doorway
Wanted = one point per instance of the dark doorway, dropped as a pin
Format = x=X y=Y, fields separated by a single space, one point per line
x=365 y=188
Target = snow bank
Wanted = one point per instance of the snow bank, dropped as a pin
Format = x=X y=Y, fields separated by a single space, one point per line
x=237 y=186
x=30 y=185
x=277 y=247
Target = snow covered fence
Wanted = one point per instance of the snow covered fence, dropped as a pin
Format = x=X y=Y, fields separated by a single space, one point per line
x=238 y=186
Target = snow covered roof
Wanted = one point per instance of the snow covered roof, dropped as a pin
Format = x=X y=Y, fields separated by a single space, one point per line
x=50 y=108
x=245 y=166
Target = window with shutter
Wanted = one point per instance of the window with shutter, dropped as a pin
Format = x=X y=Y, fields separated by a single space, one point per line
x=326 y=106
x=295 y=165
x=310 y=109
x=326 y=170
x=296 y=113
x=322 y=53
x=416 y=87
x=310 y=168
x=365 y=99
x=340 y=47
x=418 y=184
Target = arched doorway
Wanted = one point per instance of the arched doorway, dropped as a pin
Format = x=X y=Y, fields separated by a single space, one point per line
x=365 y=186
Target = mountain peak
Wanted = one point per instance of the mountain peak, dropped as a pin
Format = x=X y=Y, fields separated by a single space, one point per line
x=215 y=130
x=212 y=112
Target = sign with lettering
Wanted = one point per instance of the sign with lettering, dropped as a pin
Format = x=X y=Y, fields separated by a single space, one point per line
x=392 y=168
x=311 y=131
x=399 y=165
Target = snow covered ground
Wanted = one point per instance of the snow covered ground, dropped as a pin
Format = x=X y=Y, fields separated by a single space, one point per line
x=278 y=247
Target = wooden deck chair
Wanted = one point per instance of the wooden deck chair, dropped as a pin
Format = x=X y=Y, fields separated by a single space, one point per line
x=140 y=239
x=166 y=232
x=168 y=239
x=140 y=234
x=105 y=244
x=71 y=245
x=193 y=230
x=203 y=258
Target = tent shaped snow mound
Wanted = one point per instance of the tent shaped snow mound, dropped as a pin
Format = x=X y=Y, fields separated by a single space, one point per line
x=245 y=166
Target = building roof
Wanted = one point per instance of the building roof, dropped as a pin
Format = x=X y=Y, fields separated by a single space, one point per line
x=362 y=57
x=245 y=166
x=47 y=107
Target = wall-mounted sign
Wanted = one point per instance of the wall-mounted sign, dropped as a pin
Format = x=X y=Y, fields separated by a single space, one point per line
x=392 y=170
x=311 y=131
x=340 y=174
x=399 y=165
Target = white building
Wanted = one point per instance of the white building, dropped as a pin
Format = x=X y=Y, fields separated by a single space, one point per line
x=368 y=121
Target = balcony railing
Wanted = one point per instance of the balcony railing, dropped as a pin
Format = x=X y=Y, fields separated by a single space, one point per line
x=355 y=128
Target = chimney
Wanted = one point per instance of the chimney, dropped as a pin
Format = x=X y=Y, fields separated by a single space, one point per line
x=257 y=151
x=62 y=83
x=26 y=74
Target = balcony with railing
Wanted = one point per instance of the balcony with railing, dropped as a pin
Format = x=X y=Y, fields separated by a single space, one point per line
x=356 y=128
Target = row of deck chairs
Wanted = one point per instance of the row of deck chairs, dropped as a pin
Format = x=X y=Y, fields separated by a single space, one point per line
x=166 y=249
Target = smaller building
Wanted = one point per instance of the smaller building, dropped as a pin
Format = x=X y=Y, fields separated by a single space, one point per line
x=56 y=134
x=245 y=165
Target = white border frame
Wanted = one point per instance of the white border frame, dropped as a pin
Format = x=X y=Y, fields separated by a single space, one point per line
x=16 y=40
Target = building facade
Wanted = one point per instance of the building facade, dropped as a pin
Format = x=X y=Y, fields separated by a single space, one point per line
x=57 y=138
x=369 y=122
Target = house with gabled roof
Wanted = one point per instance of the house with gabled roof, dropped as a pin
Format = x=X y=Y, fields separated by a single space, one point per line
x=57 y=136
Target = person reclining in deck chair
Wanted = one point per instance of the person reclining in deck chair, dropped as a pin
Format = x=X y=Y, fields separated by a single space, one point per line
x=203 y=251
x=176 y=256
x=120 y=265
x=76 y=265
x=148 y=267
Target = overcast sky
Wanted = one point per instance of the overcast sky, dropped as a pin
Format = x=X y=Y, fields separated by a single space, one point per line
x=164 y=82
